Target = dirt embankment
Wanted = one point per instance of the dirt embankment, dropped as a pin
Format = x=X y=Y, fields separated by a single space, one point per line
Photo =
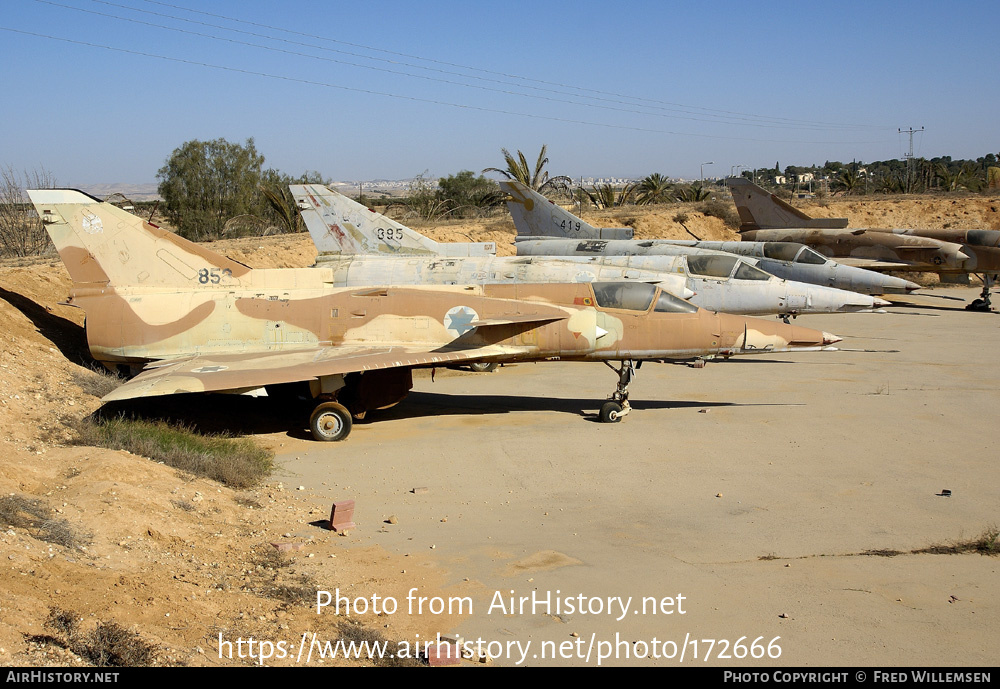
x=182 y=560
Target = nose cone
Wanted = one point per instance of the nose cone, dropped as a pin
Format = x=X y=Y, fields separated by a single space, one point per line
x=819 y=299
x=881 y=303
x=742 y=335
x=890 y=284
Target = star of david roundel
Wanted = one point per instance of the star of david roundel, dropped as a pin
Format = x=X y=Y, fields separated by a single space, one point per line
x=458 y=320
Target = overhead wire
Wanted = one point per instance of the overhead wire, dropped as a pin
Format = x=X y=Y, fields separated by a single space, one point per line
x=470 y=68
x=718 y=119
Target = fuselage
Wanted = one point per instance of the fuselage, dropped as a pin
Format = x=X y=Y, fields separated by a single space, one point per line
x=795 y=261
x=355 y=270
x=918 y=253
x=982 y=246
x=721 y=281
x=295 y=309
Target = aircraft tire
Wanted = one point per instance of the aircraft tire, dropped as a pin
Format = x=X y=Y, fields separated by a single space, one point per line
x=977 y=305
x=484 y=366
x=330 y=421
x=611 y=412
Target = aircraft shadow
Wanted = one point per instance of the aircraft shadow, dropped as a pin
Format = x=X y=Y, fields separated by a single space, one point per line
x=66 y=335
x=239 y=415
x=907 y=306
x=424 y=404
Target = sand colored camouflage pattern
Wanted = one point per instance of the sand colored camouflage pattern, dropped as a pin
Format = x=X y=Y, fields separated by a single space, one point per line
x=191 y=320
x=530 y=211
x=767 y=218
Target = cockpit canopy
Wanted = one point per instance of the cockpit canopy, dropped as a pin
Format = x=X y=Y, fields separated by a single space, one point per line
x=721 y=267
x=792 y=252
x=637 y=296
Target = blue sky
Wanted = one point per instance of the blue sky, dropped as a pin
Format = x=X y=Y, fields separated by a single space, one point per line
x=361 y=90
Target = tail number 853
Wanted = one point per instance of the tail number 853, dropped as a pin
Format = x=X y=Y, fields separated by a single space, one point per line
x=213 y=275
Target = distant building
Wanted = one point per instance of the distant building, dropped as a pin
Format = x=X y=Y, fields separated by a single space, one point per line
x=780 y=179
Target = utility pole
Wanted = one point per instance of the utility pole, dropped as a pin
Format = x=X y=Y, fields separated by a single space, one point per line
x=909 y=156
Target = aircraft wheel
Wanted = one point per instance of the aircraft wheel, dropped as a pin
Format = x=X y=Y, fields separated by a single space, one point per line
x=977 y=305
x=484 y=366
x=330 y=421
x=611 y=412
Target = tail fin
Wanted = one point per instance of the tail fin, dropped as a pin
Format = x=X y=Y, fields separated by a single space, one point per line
x=339 y=225
x=103 y=245
x=535 y=216
x=761 y=210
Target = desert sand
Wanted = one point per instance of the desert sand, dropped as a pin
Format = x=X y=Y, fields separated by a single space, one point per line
x=750 y=494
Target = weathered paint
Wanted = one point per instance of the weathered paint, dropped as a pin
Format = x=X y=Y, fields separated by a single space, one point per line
x=220 y=326
x=536 y=218
x=759 y=293
x=359 y=256
x=766 y=217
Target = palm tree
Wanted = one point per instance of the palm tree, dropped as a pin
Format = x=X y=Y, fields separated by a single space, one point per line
x=284 y=206
x=693 y=192
x=654 y=189
x=849 y=179
x=518 y=170
x=606 y=196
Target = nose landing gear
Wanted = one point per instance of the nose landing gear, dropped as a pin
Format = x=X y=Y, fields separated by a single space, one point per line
x=617 y=406
x=983 y=302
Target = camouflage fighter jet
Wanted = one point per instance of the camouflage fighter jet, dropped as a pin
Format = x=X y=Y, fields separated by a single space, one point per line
x=948 y=252
x=718 y=281
x=536 y=218
x=185 y=319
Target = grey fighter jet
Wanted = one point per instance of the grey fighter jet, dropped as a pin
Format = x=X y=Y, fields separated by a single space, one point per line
x=536 y=218
x=728 y=283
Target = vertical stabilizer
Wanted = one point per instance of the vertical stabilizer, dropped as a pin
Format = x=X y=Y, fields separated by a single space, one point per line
x=535 y=216
x=103 y=245
x=759 y=209
x=341 y=226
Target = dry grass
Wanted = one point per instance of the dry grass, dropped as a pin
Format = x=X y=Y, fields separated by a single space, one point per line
x=35 y=517
x=274 y=583
x=96 y=381
x=107 y=645
x=235 y=462
x=986 y=543
x=716 y=208
x=351 y=631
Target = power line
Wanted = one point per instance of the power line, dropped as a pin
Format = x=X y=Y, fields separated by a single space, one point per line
x=403 y=97
x=693 y=113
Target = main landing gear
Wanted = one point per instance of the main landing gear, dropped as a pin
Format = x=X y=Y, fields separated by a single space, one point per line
x=330 y=421
x=617 y=406
x=983 y=302
x=336 y=409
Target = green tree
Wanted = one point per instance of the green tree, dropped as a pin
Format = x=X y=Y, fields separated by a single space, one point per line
x=274 y=187
x=654 y=189
x=537 y=178
x=205 y=183
x=692 y=192
x=607 y=196
x=849 y=180
x=422 y=201
x=466 y=194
